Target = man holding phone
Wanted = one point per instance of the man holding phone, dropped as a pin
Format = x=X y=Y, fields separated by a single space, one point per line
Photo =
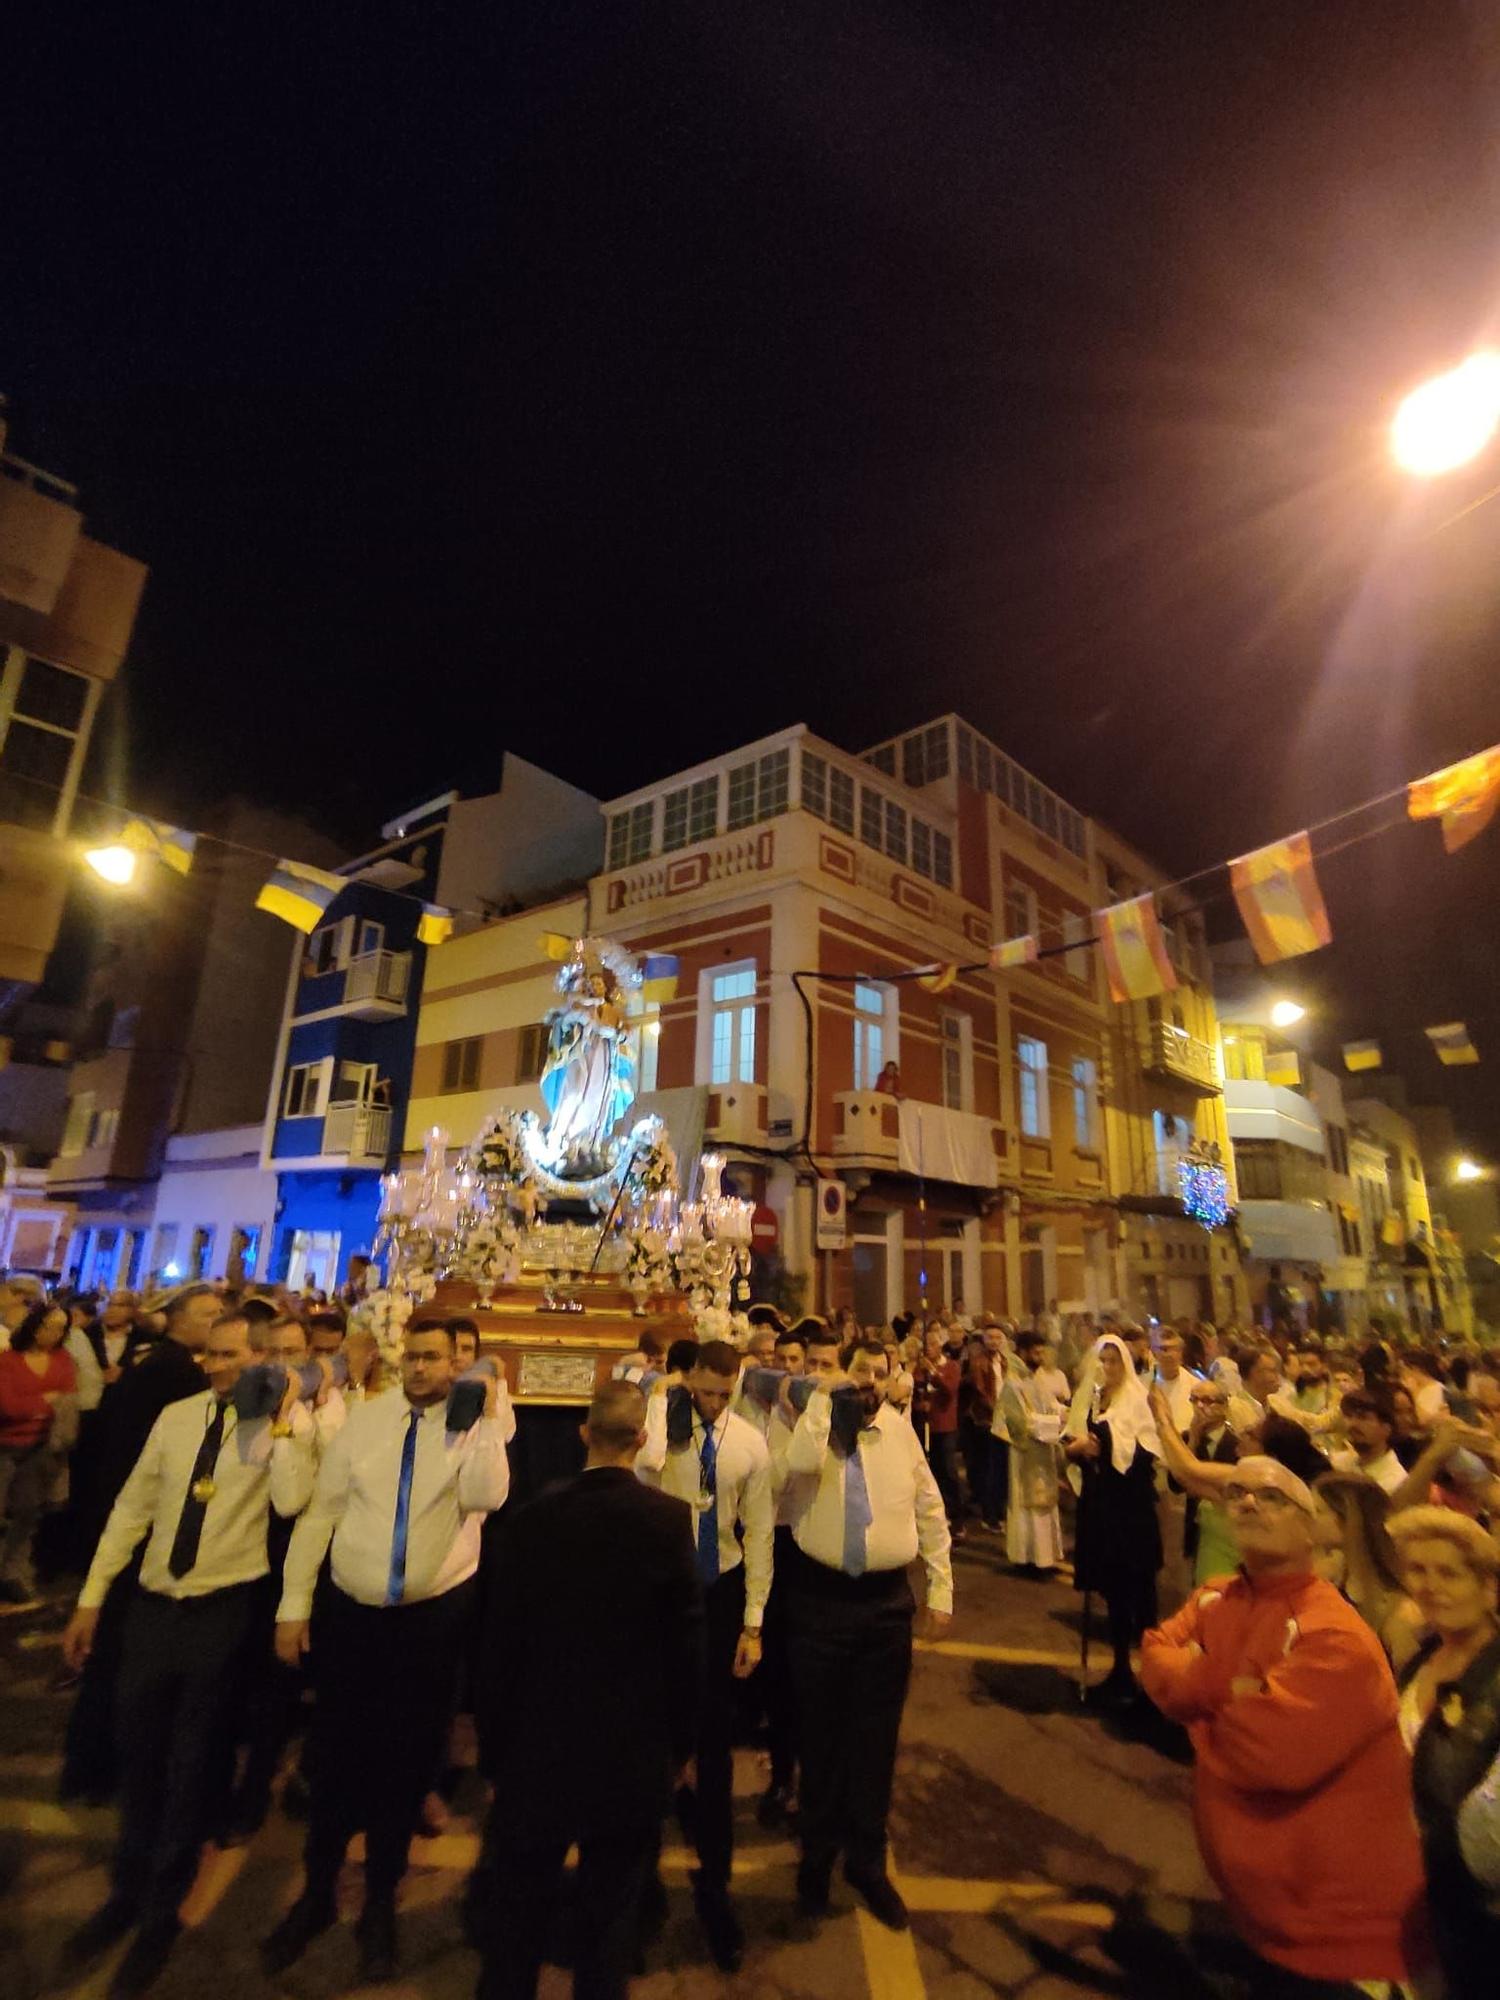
x=400 y=1497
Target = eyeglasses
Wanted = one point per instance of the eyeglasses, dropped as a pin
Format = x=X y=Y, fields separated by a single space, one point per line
x=1263 y=1496
x=1207 y=1402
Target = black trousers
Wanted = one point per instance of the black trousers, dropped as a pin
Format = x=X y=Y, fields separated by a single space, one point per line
x=775 y=1672
x=178 y=1681
x=386 y=1677
x=91 y=1765
x=851 y=1663
x=612 y=1871
x=942 y=1456
x=724 y=1620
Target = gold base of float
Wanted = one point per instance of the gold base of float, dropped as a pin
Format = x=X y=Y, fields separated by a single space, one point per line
x=554 y=1357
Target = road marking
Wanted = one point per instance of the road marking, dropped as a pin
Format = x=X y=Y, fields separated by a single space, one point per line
x=216 y=1876
x=891 y=1967
x=46 y=1821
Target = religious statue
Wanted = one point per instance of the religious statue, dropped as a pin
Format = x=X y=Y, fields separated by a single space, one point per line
x=588 y=1081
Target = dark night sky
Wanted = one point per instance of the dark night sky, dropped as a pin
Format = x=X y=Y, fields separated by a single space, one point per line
x=615 y=383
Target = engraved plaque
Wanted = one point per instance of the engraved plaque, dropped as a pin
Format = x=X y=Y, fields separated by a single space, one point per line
x=556 y=1375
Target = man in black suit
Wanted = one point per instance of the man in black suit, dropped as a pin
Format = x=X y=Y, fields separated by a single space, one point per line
x=588 y=1680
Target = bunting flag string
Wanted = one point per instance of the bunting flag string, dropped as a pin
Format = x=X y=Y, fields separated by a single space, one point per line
x=1463 y=797
x=1452 y=1044
x=937 y=978
x=1362 y=1055
x=299 y=895
x=1279 y=900
x=153 y=837
x=1135 y=952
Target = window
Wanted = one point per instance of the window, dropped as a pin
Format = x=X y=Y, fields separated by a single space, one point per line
x=531 y=1052
x=1020 y=910
x=307 y=1088
x=164 y=1250
x=924 y=755
x=967 y=748
x=371 y=937
x=201 y=1254
x=731 y=1056
x=641 y=820
x=895 y=831
x=80 y=1121
x=328 y=947
x=123 y=1027
x=1085 y=1104
x=956 y=1043
x=1338 y=1149
x=619 y=839
x=1076 y=960
x=870 y=1049
x=43 y=714
x=921 y=846
x=774 y=780
x=102 y=1127
x=1244 y=1058
x=871 y=818
x=461 y=1064
x=1414 y=1170
x=814 y=784
x=674 y=821
x=244 y=1250
x=840 y=799
x=354 y=1084
x=942 y=859
x=884 y=759
x=741 y=797
x=1036 y=1109
x=984 y=766
x=703 y=808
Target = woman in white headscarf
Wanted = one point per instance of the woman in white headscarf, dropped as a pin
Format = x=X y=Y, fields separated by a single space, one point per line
x=1111 y=1442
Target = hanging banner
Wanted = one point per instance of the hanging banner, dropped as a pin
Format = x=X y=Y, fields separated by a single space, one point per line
x=162 y=842
x=1280 y=902
x=1452 y=1044
x=1013 y=953
x=299 y=895
x=435 y=925
x=1135 y=952
x=1463 y=797
x=1362 y=1055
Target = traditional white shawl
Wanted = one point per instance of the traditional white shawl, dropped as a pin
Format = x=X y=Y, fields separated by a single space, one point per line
x=1129 y=1414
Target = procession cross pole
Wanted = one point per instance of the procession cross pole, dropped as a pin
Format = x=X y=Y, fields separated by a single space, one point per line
x=614 y=1207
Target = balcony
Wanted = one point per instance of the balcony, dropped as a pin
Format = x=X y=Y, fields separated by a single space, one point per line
x=1175 y=1056
x=360 y=1133
x=903 y=1135
x=375 y=985
x=735 y=1115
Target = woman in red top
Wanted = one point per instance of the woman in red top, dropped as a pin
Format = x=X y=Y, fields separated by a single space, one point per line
x=35 y=1376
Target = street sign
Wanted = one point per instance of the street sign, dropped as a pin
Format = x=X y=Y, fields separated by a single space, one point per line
x=765 y=1230
x=832 y=1215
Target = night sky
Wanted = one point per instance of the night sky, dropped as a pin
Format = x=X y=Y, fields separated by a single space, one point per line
x=616 y=383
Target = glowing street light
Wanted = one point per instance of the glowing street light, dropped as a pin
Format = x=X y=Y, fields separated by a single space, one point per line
x=1286 y=1014
x=1468 y=1170
x=1448 y=421
x=115 y=864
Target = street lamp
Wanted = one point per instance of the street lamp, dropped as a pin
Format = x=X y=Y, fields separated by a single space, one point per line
x=114 y=863
x=1286 y=1014
x=1468 y=1170
x=1448 y=421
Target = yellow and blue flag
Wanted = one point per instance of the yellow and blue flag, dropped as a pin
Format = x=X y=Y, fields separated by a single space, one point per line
x=1453 y=1044
x=659 y=972
x=435 y=925
x=1362 y=1055
x=299 y=895
x=154 y=837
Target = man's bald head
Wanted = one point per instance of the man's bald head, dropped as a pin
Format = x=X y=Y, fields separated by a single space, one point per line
x=615 y=1427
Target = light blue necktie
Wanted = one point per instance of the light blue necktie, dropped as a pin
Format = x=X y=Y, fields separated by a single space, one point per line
x=857 y=1515
x=708 y=1518
x=396 y=1589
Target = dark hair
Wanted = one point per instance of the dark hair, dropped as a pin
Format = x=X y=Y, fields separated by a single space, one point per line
x=1375 y=1361
x=1290 y=1446
x=789 y=1337
x=328 y=1318
x=681 y=1355
x=431 y=1323
x=1426 y=1362
x=462 y=1324
x=1030 y=1338
x=764 y=1315
x=259 y=1311
x=25 y=1334
x=901 y=1324
x=652 y=1346
x=718 y=1357
x=185 y=1297
x=617 y=1415
x=862 y=1343
x=1349 y=1494
x=1376 y=1397
x=1459 y=1368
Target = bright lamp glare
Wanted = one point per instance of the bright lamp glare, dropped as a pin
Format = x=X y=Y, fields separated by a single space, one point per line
x=115 y=864
x=1286 y=1014
x=1468 y=1170
x=1449 y=420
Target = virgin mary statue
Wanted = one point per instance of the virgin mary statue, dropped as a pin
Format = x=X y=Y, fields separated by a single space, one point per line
x=589 y=1077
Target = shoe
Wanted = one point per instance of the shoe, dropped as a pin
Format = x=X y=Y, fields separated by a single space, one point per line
x=1114 y=1691
x=880 y=1896
x=142 y=1965
x=104 y=1928
x=308 y=1918
x=721 y=1926
x=813 y=1881
x=775 y=1806
x=376 y=1935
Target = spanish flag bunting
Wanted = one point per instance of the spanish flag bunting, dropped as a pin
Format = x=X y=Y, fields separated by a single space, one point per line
x=659 y=978
x=1362 y=1055
x=435 y=925
x=1135 y=952
x=1012 y=953
x=1284 y=1066
x=1463 y=797
x=555 y=945
x=937 y=978
x=1280 y=902
x=299 y=894
x=162 y=842
x=1453 y=1043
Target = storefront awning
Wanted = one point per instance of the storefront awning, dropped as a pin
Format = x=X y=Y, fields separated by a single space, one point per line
x=1290 y=1232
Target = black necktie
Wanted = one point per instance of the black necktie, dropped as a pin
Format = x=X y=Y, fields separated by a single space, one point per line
x=200 y=1492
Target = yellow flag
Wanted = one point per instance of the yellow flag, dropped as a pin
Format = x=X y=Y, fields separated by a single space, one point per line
x=1362 y=1055
x=299 y=895
x=1011 y=953
x=435 y=925
x=1453 y=1044
x=1284 y=1067
x=1279 y=899
x=1463 y=797
x=555 y=945
x=937 y=978
x=1135 y=952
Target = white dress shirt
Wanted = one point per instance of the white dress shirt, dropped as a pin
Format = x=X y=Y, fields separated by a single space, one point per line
x=1387 y=1471
x=742 y=1492
x=1178 y=1390
x=254 y=1473
x=90 y=1376
x=906 y=1509
x=457 y=1478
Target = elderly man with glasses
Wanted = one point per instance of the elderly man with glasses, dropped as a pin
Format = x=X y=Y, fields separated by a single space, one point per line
x=1301 y=1791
